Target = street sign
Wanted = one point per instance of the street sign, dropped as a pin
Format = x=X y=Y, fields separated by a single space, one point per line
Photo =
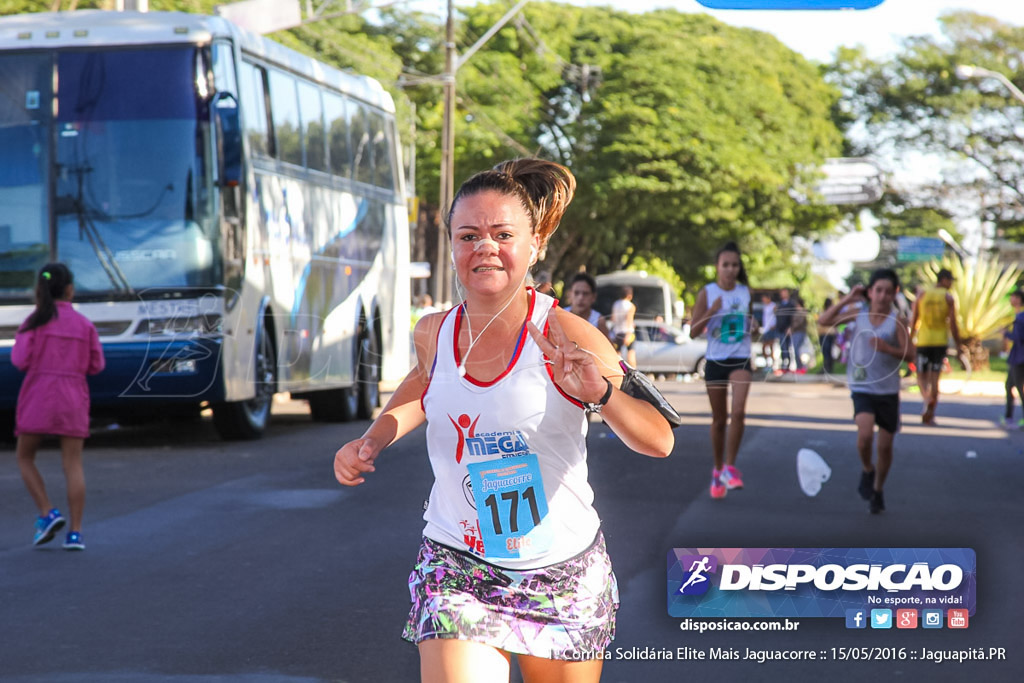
x=919 y=248
x=850 y=181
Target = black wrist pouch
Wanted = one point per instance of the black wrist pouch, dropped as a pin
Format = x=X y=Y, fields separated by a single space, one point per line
x=638 y=385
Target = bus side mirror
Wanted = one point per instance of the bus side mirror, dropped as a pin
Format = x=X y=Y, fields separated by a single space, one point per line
x=229 y=139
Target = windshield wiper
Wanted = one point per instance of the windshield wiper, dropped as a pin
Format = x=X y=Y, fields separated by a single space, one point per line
x=69 y=204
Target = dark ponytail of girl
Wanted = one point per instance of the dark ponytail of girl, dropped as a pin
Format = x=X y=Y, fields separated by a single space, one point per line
x=51 y=283
x=734 y=248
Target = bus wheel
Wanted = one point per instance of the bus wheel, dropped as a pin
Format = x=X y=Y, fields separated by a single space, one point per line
x=334 y=405
x=368 y=375
x=7 y=426
x=240 y=420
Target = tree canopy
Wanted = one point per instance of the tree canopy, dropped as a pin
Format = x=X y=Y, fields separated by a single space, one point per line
x=683 y=132
x=916 y=104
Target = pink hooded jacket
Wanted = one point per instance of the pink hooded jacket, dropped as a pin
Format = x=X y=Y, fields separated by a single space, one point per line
x=56 y=357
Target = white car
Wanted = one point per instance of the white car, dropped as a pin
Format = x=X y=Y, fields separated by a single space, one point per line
x=668 y=349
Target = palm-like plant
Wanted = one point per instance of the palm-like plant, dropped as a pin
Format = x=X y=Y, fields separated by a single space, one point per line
x=980 y=287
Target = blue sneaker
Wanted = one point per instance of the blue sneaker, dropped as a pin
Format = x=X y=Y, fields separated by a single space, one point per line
x=74 y=541
x=48 y=526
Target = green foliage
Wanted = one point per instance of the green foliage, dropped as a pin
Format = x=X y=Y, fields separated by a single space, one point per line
x=660 y=268
x=683 y=132
x=682 y=150
x=916 y=103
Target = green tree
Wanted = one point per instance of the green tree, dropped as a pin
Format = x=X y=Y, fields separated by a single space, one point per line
x=679 y=151
x=684 y=132
x=915 y=103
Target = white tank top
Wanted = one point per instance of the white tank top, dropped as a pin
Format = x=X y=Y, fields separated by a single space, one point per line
x=728 y=330
x=594 y=318
x=509 y=456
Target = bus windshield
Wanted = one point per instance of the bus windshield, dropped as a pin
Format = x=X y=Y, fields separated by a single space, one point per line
x=130 y=194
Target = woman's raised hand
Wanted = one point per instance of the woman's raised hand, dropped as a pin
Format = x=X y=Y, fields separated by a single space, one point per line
x=575 y=370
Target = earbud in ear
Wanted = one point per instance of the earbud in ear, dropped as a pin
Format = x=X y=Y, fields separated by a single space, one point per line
x=533 y=255
x=452 y=257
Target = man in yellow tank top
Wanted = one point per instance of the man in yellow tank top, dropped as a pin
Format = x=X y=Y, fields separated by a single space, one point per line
x=934 y=315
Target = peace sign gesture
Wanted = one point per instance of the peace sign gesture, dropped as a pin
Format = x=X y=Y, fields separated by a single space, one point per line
x=575 y=369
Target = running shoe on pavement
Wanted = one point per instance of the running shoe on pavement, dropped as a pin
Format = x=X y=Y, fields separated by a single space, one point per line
x=867 y=484
x=732 y=477
x=717 y=487
x=73 y=541
x=48 y=526
x=877 y=502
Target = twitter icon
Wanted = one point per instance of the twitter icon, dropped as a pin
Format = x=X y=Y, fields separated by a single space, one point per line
x=881 y=618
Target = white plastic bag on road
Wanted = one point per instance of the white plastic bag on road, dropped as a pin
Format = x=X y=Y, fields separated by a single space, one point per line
x=812 y=471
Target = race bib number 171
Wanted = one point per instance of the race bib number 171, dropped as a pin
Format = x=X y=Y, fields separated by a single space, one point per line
x=510 y=504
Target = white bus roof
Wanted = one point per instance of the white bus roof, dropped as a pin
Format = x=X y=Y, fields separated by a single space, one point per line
x=629 y=276
x=94 y=28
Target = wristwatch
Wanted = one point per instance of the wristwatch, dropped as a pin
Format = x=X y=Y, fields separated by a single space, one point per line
x=596 y=407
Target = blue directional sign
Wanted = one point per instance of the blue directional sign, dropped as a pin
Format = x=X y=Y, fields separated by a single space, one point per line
x=919 y=248
x=790 y=4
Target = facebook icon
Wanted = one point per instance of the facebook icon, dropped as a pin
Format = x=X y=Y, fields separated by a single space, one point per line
x=856 y=618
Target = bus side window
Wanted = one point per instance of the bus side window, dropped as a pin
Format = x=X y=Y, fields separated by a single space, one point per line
x=224 y=68
x=336 y=110
x=254 y=108
x=311 y=110
x=284 y=112
x=383 y=144
x=362 y=157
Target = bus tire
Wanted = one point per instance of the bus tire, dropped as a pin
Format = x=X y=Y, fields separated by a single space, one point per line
x=334 y=405
x=368 y=375
x=247 y=420
x=7 y=426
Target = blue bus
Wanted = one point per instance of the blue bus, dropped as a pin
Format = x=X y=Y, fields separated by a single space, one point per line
x=233 y=211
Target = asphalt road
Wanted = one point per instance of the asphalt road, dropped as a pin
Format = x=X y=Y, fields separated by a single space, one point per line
x=210 y=561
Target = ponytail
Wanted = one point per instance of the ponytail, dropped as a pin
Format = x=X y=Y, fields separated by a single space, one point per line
x=51 y=283
x=544 y=189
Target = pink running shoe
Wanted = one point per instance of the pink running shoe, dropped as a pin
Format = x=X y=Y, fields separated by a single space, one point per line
x=717 y=487
x=732 y=477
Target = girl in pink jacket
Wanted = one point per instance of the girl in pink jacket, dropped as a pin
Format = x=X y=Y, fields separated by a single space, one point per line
x=56 y=347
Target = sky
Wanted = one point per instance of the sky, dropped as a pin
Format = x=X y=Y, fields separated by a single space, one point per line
x=816 y=34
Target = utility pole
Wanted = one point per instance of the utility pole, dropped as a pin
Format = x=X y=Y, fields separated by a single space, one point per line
x=443 y=272
x=444 y=280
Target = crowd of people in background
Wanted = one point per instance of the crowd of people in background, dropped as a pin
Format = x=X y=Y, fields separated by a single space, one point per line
x=902 y=339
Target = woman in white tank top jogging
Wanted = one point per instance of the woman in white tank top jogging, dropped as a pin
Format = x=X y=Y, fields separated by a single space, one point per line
x=512 y=560
x=723 y=309
x=880 y=342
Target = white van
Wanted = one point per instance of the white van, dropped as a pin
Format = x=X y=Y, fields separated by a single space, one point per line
x=652 y=296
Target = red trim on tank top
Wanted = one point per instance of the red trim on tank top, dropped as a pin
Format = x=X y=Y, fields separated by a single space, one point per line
x=551 y=371
x=515 y=356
